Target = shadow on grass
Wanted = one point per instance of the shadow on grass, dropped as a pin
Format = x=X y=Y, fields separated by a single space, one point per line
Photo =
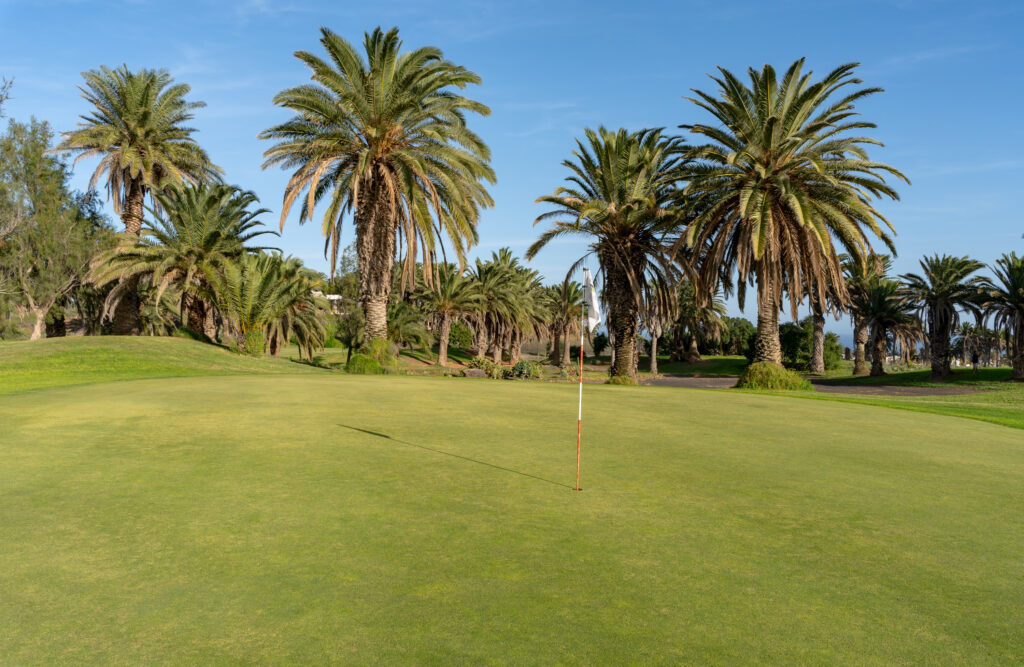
x=457 y=456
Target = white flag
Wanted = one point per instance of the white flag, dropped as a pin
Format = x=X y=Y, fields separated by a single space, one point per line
x=590 y=298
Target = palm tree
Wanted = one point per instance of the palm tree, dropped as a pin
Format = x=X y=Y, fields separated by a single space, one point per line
x=780 y=184
x=620 y=192
x=195 y=232
x=138 y=127
x=858 y=276
x=886 y=308
x=566 y=302
x=701 y=317
x=944 y=287
x=451 y=297
x=258 y=290
x=303 y=317
x=1004 y=298
x=660 y=307
x=386 y=137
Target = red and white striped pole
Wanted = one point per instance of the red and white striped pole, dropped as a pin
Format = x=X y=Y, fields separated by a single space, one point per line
x=579 y=413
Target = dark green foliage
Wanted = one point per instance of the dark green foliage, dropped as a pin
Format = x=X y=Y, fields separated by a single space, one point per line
x=600 y=344
x=361 y=364
x=620 y=379
x=766 y=375
x=738 y=334
x=796 y=341
x=460 y=337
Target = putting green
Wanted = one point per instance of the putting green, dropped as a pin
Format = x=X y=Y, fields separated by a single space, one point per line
x=315 y=517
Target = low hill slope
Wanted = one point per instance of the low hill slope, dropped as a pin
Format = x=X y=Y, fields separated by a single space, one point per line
x=58 y=362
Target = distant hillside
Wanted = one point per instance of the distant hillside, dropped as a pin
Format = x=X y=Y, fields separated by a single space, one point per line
x=57 y=362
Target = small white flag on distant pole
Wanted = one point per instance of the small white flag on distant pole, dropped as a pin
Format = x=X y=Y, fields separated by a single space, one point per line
x=591 y=320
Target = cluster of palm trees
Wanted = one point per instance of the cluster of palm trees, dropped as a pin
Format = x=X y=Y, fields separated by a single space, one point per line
x=193 y=247
x=926 y=308
x=776 y=191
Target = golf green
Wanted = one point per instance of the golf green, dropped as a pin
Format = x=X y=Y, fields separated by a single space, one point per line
x=311 y=517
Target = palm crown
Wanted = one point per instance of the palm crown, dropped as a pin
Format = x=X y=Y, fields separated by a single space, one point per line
x=385 y=137
x=137 y=128
x=1004 y=298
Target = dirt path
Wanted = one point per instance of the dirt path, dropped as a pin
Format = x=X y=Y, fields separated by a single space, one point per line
x=820 y=385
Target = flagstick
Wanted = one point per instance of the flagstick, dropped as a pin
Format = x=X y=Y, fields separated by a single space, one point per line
x=579 y=414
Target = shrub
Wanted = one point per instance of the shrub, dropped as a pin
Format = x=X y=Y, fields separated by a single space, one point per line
x=600 y=343
x=383 y=351
x=493 y=370
x=525 y=369
x=361 y=364
x=766 y=375
x=620 y=379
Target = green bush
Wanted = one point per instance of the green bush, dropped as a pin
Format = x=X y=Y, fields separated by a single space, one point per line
x=361 y=364
x=766 y=375
x=493 y=370
x=330 y=341
x=383 y=351
x=600 y=343
x=525 y=369
x=620 y=379
x=570 y=372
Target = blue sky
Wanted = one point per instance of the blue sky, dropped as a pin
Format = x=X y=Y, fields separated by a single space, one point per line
x=950 y=115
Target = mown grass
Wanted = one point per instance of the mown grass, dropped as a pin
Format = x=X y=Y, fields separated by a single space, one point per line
x=317 y=517
x=55 y=362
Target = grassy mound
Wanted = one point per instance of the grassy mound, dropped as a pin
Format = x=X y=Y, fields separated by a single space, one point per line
x=765 y=375
x=323 y=517
x=57 y=362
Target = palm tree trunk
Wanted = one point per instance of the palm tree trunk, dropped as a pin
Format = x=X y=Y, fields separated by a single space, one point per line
x=860 y=343
x=556 y=345
x=515 y=347
x=195 y=313
x=654 y=354
x=209 y=323
x=1017 y=375
x=693 y=353
x=444 y=332
x=375 y=255
x=878 y=353
x=275 y=344
x=624 y=319
x=766 y=345
x=126 y=320
x=818 y=343
x=940 y=350
x=566 y=349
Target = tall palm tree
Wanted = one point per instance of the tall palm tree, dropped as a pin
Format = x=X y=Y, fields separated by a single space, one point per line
x=620 y=195
x=302 y=317
x=1004 y=298
x=195 y=231
x=493 y=282
x=385 y=137
x=138 y=129
x=944 y=287
x=451 y=297
x=780 y=184
x=887 y=310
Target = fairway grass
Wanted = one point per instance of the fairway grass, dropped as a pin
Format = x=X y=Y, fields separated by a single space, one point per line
x=311 y=517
